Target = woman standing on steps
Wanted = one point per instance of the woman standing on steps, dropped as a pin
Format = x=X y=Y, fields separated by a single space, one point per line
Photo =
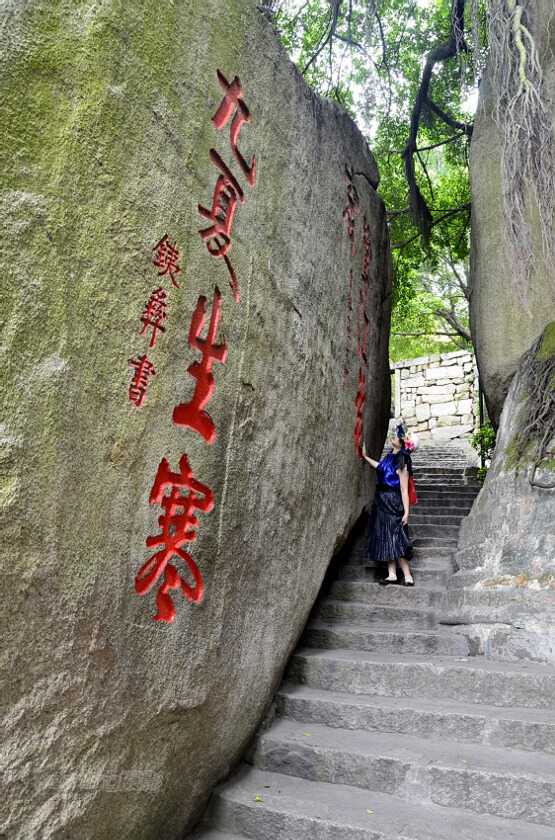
x=387 y=539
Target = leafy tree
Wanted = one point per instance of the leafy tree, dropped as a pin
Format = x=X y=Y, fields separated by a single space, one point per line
x=403 y=69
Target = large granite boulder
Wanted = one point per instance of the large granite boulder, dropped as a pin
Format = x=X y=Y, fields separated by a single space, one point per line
x=148 y=363
x=504 y=590
x=502 y=329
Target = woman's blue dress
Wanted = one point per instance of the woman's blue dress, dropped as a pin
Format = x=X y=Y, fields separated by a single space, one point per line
x=387 y=538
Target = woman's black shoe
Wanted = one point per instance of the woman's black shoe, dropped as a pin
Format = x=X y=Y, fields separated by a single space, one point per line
x=386 y=582
x=408 y=583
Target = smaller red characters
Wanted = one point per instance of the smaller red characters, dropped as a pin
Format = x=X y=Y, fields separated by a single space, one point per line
x=192 y=414
x=353 y=207
x=141 y=377
x=155 y=314
x=167 y=259
x=177 y=528
x=359 y=404
x=233 y=101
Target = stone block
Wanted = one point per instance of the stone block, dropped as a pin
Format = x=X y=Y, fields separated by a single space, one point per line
x=437 y=398
x=448 y=420
x=432 y=423
x=417 y=381
x=449 y=372
x=408 y=412
x=467 y=419
x=441 y=409
x=458 y=380
x=450 y=432
x=422 y=427
x=422 y=412
x=406 y=405
x=464 y=388
x=464 y=406
x=404 y=373
x=445 y=388
x=412 y=369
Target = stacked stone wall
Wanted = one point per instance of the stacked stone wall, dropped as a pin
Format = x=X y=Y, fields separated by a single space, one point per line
x=437 y=395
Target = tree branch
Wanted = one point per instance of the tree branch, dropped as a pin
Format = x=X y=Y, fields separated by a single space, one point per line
x=433 y=223
x=442 y=52
x=464 y=128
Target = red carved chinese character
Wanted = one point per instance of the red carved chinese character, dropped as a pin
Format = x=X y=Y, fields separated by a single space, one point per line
x=192 y=414
x=177 y=529
x=155 y=314
x=367 y=246
x=362 y=342
x=233 y=100
x=221 y=215
x=143 y=371
x=167 y=258
x=349 y=315
x=353 y=206
x=359 y=404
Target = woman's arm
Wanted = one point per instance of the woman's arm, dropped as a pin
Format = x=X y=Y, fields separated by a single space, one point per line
x=370 y=460
x=404 y=480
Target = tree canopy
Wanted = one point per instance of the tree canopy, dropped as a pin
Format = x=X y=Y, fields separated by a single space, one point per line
x=373 y=56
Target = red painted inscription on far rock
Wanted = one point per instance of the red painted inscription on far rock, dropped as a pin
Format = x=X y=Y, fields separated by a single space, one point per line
x=359 y=404
x=353 y=206
x=192 y=414
x=178 y=524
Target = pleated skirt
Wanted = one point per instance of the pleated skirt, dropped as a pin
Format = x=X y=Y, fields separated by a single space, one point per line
x=387 y=538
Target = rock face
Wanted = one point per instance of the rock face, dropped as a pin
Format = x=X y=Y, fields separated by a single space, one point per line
x=493 y=303
x=119 y=129
x=507 y=544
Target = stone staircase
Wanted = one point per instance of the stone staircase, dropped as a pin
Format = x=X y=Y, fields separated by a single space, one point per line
x=386 y=727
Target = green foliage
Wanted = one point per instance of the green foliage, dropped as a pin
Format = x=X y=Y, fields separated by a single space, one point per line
x=369 y=55
x=484 y=442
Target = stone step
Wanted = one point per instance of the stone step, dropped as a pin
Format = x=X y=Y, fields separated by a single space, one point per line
x=298 y=809
x=406 y=618
x=433 y=529
x=337 y=636
x=449 y=543
x=492 y=604
x=441 y=469
x=449 y=505
x=465 y=490
x=419 y=515
x=518 y=728
x=475 y=680
x=365 y=592
x=489 y=780
x=435 y=578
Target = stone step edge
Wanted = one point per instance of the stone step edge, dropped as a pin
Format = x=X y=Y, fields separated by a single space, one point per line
x=426 y=752
x=323 y=810
x=479 y=663
x=337 y=626
x=524 y=714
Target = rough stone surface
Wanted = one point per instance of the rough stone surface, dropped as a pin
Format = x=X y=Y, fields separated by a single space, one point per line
x=508 y=539
x=115 y=725
x=501 y=328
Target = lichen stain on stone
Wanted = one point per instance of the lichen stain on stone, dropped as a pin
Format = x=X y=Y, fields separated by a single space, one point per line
x=547 y=349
